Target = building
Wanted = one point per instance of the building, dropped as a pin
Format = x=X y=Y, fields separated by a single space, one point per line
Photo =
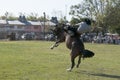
x=21 y=27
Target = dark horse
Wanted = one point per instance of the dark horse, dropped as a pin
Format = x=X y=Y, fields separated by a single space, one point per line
x=73 y=43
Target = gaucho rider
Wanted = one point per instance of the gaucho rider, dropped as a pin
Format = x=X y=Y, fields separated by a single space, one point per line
x=84 y=26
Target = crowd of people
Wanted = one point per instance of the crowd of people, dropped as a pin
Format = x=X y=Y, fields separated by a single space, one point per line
x=106 y=38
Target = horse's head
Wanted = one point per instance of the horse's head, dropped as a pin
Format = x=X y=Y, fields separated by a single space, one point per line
x=58 y=31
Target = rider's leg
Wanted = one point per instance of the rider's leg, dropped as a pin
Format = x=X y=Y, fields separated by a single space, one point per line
x=70 y=30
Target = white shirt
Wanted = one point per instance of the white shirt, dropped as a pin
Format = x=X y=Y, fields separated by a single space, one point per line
x=83 y=27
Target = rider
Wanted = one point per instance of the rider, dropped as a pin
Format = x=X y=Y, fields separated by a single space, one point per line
x=84 y=26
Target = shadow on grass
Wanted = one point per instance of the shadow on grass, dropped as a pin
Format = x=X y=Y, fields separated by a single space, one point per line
x=99 y=74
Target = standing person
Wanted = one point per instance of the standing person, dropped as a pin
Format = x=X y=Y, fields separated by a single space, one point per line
x=84 y=26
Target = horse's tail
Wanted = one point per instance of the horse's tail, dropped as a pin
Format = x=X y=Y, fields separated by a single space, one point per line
x=87 y=53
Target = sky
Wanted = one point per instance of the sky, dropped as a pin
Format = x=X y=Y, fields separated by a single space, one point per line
x=57 y=8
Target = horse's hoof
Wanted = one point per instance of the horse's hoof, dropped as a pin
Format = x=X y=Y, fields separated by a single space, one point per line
x=69 y=69
x=51 y=48
x=77 y=66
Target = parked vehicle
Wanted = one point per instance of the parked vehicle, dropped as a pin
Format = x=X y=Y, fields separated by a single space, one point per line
x=28 y=36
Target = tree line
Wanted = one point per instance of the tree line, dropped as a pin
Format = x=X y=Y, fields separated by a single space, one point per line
x=31 y=16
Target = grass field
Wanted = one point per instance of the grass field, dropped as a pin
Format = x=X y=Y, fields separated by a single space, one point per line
x=33 y=60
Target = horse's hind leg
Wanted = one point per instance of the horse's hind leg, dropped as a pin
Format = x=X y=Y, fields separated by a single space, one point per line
x=73 y=63
x=73 y=56
x=79 y=61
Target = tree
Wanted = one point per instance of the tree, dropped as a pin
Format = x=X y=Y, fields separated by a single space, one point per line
x=93 y=9
x=63 y=20
x=41 y=18
x=74 y=21
x=3 y=17
x=8 y=16
x=99 y=10
x=112 y=18
x=33 y=17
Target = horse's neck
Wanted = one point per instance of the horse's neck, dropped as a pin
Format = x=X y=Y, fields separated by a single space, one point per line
x=62 y=38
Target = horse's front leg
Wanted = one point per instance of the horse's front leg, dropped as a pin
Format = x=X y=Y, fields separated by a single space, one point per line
x=79 y=61
x=72 y=63
x=73 y=56
x=54 y=45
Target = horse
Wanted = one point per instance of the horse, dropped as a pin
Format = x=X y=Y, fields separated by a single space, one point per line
x=73 y=43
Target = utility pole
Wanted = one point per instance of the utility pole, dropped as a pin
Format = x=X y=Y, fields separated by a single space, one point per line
x=65 y=12
x=44 y=24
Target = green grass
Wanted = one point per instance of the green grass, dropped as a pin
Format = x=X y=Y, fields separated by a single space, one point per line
x=33 y=60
